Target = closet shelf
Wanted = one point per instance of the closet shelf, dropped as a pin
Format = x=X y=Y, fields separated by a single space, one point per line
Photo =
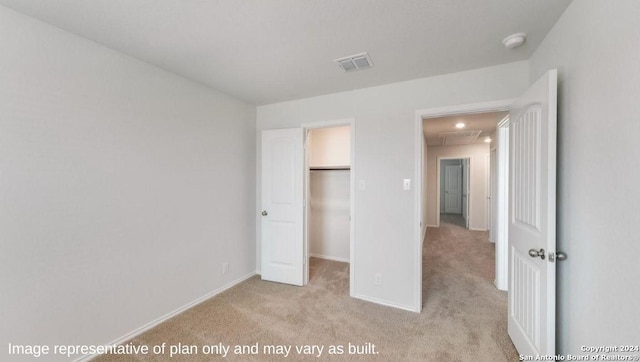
x=327 y=168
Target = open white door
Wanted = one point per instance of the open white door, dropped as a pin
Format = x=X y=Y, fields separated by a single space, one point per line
x=532 y=218
x=282 y=206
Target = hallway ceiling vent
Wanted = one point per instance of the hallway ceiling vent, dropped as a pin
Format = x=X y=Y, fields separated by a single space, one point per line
x=354 y=62
x=459 y=137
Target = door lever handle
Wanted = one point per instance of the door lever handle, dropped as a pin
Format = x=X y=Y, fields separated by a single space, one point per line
x=536 y=253
x=264 y=213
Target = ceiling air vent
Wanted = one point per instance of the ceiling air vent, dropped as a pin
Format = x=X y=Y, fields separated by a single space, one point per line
x=354 y=62
x=459 y=137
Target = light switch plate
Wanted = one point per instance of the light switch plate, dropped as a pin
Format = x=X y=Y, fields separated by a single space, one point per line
x=407 y=184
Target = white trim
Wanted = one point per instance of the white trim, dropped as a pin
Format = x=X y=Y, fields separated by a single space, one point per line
x=167 y=316
x=328 y=257
x=471 y=108
x=504 y=122
x=480 y=107
x=489 y=194
x=502 y=212
x=421 y=188
x=477 y=229
x=329 y=124
x=307 y=206
x=351 y=122
x=386 y=303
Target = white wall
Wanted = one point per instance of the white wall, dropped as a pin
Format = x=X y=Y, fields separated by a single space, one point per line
x=478 y=182
x=330 y=147
x=123 y=189
x=329 y=214
x=594 y=45
x=385 y=129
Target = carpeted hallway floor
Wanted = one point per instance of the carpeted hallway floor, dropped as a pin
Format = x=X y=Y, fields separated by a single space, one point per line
x=454 y=219
x=463 y=319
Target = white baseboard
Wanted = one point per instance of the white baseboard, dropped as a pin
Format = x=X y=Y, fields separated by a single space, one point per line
x=334 y=258
x=499 y=287
x=169 y=315
x=387 y=304
x=476 y=229
x=432 y=226
x=424 y=235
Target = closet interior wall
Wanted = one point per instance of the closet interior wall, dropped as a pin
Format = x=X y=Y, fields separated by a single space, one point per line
x=329 y=188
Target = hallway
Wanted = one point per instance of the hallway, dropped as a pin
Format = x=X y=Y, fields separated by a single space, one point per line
x=455 y=219
x=459 y=296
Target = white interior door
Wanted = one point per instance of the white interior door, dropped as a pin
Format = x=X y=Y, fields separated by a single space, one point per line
x=532 y=218
x=453 y=189
x=282 y=206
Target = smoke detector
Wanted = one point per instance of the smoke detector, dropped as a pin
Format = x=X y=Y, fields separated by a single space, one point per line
x=514 y=40
x=354 y=62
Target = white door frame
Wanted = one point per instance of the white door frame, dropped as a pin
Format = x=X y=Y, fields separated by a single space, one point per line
x=502 y=203
x=489 y=192
x=439 y=186
x=420 y=114
x=466 y=164
x=492 y=176
x=352 y=192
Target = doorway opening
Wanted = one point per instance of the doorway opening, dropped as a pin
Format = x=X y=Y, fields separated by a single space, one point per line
x=329 y=203
x=453 y=190
x=454 y=138
x=458 y=170
x=460 y=177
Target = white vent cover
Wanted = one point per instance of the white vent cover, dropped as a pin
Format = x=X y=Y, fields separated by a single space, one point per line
x=354 y=62
x=459 y=137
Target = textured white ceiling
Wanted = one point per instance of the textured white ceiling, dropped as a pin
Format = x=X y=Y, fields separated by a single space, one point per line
x=266 y=51
x=484 y=122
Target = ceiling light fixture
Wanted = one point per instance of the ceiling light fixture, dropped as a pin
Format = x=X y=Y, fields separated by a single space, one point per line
x=487 y=140
x=460 y=125
x=514 y=40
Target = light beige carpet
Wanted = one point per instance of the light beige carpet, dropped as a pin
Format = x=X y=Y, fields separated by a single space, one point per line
x=464 y=315
x=455 y=219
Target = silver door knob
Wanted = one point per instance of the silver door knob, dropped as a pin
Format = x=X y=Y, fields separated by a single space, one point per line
x=264 y=213
x=560 y=256
x=536 y=253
